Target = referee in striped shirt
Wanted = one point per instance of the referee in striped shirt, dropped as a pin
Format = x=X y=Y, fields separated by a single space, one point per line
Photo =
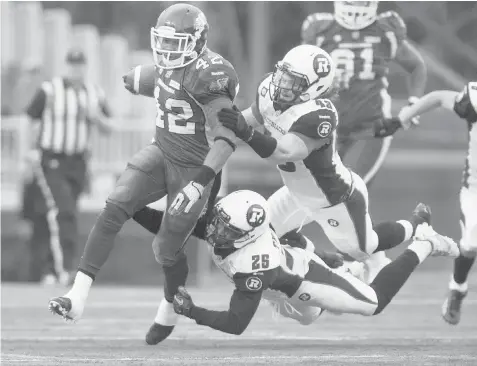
x=64 y=113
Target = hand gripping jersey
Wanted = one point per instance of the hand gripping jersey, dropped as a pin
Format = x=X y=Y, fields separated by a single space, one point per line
x=182 y=131
x=321 y=179
x=365 y=56
x=265 y=265
x=466 y=107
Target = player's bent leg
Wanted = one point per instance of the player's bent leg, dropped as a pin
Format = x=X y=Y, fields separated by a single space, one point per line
x=285 y=213
x=342 y=293
x=168 y=246
x=458 y=286
x=141 y=183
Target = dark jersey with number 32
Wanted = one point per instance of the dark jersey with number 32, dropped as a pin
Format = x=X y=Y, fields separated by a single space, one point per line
x=182 y=131
x=364 y=57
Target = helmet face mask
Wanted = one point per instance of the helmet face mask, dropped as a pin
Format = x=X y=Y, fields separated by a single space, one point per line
x=179 y=37
x=355 y=15
x=220 y=233
x=287 y=86
x=237 y=220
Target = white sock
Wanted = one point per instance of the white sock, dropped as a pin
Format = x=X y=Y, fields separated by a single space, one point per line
x=461 y=287
x=166 y=314
x=408 y=229
x=422 y=248
x=80 y=287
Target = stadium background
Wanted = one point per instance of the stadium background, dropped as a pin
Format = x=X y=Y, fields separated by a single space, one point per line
x=424 y=164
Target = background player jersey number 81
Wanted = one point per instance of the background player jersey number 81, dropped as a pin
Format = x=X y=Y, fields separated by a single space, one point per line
x=177 y=113
x=345 y=59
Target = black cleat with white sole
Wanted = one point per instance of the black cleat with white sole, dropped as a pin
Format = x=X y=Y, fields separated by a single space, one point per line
x=157 y=333
x=60 y=306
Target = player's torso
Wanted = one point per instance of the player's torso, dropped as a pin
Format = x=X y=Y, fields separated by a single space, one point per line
x=266 y=254
x=363 y=57
x=182 y=131
x=321 y=179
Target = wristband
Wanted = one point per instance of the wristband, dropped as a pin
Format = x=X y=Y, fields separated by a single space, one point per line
x=263 y=145
x=205 y=175
x=232 y=145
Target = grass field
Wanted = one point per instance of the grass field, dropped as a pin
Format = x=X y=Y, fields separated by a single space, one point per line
x=409 y=332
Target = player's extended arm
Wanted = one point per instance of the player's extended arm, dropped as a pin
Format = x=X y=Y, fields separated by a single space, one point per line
x=243 y=306
x=411 y=60
x=433 y=100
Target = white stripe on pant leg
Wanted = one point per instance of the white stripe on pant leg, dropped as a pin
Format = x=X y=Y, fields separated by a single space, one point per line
x=380 y=160
x=52 y=220
x=386 y=111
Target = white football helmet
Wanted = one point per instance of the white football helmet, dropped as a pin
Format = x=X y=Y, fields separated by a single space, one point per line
x=305 y=73
x=238 y=219
x=356 y=15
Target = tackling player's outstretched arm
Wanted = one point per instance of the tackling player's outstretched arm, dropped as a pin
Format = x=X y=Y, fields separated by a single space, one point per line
x=433 y=100
x=411 y=60
x=310 y=132
x=243 y=304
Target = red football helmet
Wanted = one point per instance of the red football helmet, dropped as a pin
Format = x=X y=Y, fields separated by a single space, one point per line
x=179 y=37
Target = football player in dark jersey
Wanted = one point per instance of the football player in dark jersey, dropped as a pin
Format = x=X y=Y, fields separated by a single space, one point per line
x=363 y=44
x=192 y=83
x=464 y=104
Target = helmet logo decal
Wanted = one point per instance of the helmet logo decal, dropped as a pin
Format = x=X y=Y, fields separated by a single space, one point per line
x=255 y=215
x=199 y=24
x=321 y=65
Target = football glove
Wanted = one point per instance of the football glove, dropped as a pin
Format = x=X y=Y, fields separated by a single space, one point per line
x=387 y=127
x=233 y=119
x=183 y=303
x=186 y=198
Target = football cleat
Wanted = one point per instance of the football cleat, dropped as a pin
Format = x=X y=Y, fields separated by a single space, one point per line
x=422 y=214
x=63 y=307
x=441 y=245
x=451 y=308
x=157 y=333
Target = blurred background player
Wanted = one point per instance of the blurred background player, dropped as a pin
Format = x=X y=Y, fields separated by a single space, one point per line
x=190 y=148
x=464 y=104
x=64 y=113
x=363 y=44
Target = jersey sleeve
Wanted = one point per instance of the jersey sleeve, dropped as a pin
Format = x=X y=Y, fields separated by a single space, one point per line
x=319 y=123
x=212 y=78
x=314 y=26
x=256 y=281
x=392 y=21
x=465 y=105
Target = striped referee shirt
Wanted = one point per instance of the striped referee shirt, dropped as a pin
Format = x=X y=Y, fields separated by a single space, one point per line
x=62 y=109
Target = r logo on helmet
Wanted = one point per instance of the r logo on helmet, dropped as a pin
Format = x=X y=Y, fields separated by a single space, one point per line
x=253 y=283
x=322 y=66
x=255 y=215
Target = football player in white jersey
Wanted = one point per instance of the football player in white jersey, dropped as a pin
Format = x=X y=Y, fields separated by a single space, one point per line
x=247 y=250
x=299 y=123
x=464 y=104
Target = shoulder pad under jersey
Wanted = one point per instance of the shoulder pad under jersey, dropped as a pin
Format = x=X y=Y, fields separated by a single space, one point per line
x=210 y=77
x=314 y=26
x=390 y=21
x=466 y=102
x=319 y=120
